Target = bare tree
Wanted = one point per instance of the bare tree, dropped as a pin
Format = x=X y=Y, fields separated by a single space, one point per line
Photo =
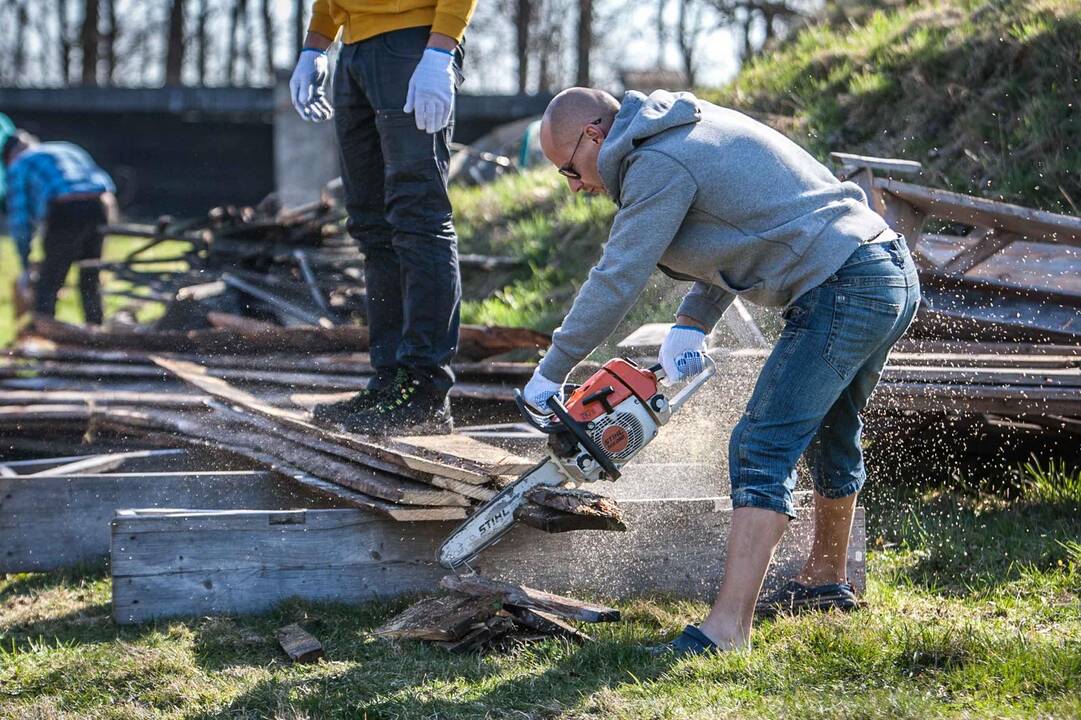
x=88 y=41
x=174 y=47
x=691 y=24
x=776 y=15
x=523 y=21
x=63 y=34
x=201 y=40
x=585 y=41
x=268 y=38
x=236 y=28
x=109 y=38
x=20 y=44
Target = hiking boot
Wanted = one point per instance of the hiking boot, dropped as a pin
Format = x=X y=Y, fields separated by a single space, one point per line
x=794 y=597
x=337 y=413
x=410 y=405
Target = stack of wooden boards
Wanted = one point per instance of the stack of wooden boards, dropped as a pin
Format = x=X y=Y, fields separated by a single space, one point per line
x=480 y=613
x=404 y=478
x=1029 y=382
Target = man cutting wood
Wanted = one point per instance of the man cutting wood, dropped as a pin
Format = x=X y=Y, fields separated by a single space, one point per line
x=393 y=106
x=711 y=196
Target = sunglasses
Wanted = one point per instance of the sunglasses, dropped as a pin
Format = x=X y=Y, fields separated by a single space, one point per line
x=567 y=170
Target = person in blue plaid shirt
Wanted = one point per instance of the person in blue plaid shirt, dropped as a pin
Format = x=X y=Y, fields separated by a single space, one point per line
x=59 y=186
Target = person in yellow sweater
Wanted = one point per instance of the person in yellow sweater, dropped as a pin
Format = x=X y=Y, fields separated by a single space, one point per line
x=392 y=103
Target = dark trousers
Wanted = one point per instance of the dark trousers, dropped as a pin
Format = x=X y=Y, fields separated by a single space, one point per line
x=72 y=233
x=395 y=181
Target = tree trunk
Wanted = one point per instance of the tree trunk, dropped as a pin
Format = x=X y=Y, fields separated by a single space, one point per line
x=110 y=42
x=234 y=29
x=88 y=40
x=174 y=52
x=686 y=35
x=298 y=25
x=523 y=20
x=268 y=39
x=201 y=36
x=64 y=37
x=662 y=31
x=585 y=41
x=19 y=61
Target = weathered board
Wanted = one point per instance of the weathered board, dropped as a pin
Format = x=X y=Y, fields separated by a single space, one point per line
x=175 y=563
x=49 y=522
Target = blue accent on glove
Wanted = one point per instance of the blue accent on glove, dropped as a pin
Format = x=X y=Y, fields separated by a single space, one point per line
x=690 y=327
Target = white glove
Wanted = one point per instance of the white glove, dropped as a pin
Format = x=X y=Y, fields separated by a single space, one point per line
x=539 y=389
x=682 y=353
x=306 y=87
x=431 y=91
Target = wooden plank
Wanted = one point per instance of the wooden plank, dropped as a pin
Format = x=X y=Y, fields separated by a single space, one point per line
x=262 y=424
x=104 y=463
x=387 y=449
x=171 y=564
x=967 y=399
x=1021 y=378
x=576 y=501
x=887 y=165
x=565 y=607
x=646 y=337
x=299 y=644
x=1033 y=224
x=217 y=428
x=250 y=448
x=49 y=522
x=987 y=245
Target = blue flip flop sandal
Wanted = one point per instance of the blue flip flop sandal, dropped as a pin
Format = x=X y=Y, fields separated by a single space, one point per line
x=691 y=641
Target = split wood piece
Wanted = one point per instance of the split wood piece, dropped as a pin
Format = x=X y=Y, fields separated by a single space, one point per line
x=389 y=450
x=294 y=462
x=103 y=463
x=490 y=630
x=475 y=342
x=299 y=644
x=99 y=397
x=546 y=623
x=579 y=502
x=555 y=521
x=446 y=618
x=528 y=597
x=261 y=423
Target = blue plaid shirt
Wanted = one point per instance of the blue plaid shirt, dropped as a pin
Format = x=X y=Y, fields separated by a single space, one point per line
x=41 y=174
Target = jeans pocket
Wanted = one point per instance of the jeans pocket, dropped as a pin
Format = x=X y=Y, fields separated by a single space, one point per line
x=407 y=43
x=860 y=324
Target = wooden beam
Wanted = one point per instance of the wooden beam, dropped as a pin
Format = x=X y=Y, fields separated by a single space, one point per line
x=395 y=451
x=48 y=522
x=446 y=617
x=238 y=562
x=1026 y=222
x=104 y=463
x=887 y=165
x=986 y=246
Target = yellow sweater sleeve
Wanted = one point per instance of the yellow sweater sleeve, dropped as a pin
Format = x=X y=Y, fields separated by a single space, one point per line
x=321 y=21
x=451 y=17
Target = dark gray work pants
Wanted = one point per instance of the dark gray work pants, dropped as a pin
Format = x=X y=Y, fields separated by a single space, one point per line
x=395 y=181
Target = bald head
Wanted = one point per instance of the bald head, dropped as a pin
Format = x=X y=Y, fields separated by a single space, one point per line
x=570 y=112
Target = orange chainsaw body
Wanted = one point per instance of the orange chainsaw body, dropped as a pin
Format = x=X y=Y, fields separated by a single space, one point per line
x=624 y=378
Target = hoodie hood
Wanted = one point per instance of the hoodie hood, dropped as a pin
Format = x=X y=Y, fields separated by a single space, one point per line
x=639 y=119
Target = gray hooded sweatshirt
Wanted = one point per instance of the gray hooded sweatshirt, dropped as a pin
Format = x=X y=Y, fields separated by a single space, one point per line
x=708 y=195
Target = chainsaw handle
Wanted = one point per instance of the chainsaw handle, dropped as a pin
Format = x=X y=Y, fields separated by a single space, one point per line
x=694 y=385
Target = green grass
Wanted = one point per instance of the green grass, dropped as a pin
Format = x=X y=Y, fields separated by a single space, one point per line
x=68 y=307
x=974 y=611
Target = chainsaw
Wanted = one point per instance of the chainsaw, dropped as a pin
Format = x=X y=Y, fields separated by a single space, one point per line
x=605 y=422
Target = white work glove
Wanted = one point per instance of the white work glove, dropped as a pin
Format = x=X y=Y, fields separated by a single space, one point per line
x=683 y=353
x=431 y=91
x=306 y=87
x=539 y=389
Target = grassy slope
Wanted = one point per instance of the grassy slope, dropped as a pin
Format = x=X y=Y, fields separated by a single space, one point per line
x=975 y=611
x=986 y=94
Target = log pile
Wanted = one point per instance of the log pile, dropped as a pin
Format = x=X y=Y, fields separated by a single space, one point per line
x=479 y=613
